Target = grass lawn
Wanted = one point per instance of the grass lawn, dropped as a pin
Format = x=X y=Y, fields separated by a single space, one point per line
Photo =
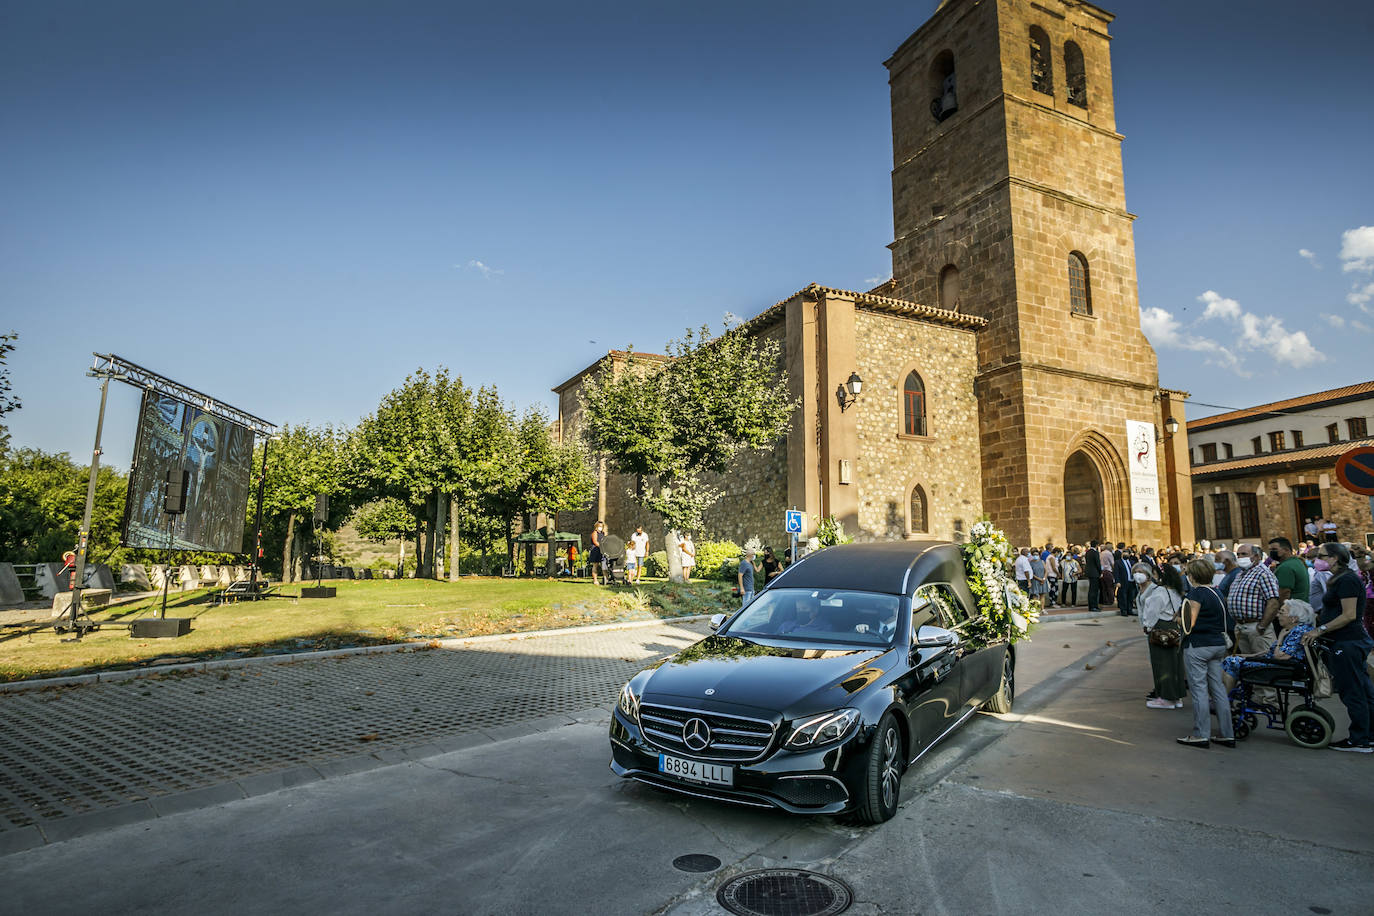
x=364 y=613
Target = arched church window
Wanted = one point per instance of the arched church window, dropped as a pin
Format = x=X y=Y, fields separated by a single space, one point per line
x=949 y=288
x=945 y=101
x=920 y=519
x=1042 y=72
x=1080 y=294
x=1075 y=74
x=913 y=405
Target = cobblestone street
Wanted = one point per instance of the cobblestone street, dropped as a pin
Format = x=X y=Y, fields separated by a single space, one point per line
x=70 y=752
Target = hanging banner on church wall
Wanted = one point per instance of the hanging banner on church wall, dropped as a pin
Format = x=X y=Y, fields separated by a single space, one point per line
x=1144 y=470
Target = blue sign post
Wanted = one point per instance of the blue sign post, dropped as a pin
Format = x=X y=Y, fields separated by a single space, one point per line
x=795 y=520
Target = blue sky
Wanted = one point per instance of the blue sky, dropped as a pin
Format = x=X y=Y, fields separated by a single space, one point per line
x=291 y=205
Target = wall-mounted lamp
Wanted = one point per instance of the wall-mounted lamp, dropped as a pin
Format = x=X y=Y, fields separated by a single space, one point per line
x=848 y=393
x=1170 y=427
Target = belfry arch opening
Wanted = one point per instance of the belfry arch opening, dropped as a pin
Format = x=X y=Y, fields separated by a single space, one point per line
x=1084 y=499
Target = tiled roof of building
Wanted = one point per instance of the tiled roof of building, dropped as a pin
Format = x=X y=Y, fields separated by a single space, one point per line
x=874 y=303
x=1278 y=407
x=1316 y=454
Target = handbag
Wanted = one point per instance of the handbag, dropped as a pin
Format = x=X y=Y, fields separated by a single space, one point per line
x=1321 y=677
x=1167 y=634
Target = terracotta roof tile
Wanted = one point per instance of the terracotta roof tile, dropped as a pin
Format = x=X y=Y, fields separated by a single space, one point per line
x=1318 y=453
x=1306 y=400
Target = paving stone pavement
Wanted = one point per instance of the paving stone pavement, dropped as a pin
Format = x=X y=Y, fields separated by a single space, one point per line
x=167 y=743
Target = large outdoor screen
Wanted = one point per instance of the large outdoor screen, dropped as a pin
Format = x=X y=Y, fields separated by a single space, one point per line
x=217 y=456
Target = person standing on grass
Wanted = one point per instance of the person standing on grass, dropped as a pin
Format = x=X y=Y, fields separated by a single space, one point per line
x=640 y=542
x=595 y=558
x=745 y=576
x=689 y=556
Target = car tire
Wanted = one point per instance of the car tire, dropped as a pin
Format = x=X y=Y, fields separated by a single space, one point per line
x=1006 y=691
x=882 y=786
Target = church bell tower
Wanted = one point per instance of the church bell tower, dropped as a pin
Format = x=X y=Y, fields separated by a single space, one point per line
x=1009 y=203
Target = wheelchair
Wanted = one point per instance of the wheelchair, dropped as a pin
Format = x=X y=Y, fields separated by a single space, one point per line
x=1294 y=709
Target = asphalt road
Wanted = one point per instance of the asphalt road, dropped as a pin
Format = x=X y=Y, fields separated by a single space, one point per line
x=1079 y=802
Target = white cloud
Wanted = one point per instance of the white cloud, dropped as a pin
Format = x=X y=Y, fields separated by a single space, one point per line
x=1310 y=257
x=1361 y=295
x=1219 y=307
x=1336 y=321
x=874 y=281
x=1291 y=348
x=1357 y=249
x=1164 y=330
x=1359 y=326
x=485 y=271
x=732 y=320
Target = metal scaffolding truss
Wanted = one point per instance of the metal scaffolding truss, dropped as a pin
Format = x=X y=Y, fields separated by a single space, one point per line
x=107 y=365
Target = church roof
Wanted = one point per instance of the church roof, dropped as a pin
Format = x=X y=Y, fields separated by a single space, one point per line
x=611 y=354
x=871 y=302
x=1335 y=395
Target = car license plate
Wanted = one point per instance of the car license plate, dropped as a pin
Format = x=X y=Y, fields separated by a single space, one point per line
x=696 y=771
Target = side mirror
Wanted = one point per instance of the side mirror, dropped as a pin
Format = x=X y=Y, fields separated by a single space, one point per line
x=717 y=620
x=930 y=637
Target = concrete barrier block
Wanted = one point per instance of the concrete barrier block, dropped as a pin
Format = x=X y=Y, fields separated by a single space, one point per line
x=135 y=574
x=11 y=592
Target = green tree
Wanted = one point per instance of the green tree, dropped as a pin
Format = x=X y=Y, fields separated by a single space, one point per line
x=688 y=418
x=42 y=498
x=385 y=519
x=303 y=462
x=553 y=477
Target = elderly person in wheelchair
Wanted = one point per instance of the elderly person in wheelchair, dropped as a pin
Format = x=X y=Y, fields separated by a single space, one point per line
x=1296 y=618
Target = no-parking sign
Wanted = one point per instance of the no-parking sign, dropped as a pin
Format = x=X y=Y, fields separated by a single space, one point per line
x=1355 y=470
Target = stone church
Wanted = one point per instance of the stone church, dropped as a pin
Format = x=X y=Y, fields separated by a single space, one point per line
x=1002 y=369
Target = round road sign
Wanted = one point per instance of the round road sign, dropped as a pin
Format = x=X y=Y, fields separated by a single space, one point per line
x=1355 y=470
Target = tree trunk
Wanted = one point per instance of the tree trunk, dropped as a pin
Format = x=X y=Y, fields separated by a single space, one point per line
x=429 y=538
x=419 y=549
x=440 y=524
x=286 y=552
x=672 y=542
x=510 y=547
x=551 y=561
x=401 y=561
x=455 y=569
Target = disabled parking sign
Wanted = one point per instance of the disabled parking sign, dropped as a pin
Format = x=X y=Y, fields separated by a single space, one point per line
x=794 y=521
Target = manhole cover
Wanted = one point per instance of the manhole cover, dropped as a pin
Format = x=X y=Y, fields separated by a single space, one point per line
x=696 y=861
x=784 y=892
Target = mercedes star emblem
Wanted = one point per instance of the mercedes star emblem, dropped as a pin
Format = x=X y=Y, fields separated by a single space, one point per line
x=710 y=691
x=696 y=734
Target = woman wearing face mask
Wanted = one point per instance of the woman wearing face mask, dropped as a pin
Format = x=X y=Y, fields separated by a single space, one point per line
x=1161 y=598
x=1316 y=585
x=1343 y=605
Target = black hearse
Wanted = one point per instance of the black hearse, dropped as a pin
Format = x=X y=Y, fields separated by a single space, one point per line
x=814 y=698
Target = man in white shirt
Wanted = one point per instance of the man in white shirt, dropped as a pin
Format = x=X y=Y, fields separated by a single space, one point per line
x=639 y=543
x=1023 y=570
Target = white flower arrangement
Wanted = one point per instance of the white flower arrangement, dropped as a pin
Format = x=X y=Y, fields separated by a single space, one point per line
x=985 y=559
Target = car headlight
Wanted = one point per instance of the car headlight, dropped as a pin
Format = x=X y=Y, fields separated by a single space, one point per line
x=629 y=702
x=822 y=729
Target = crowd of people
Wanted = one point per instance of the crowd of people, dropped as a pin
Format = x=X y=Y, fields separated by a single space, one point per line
x=1212 y=613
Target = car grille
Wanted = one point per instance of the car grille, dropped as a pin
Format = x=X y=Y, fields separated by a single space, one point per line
x=732 y=737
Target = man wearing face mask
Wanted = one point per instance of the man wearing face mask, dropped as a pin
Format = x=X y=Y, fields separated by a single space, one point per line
x=1253 y=601
x=1227 y=570
x=1291 y=572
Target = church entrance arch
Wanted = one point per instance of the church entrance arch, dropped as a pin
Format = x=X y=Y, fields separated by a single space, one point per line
x=1094 y=491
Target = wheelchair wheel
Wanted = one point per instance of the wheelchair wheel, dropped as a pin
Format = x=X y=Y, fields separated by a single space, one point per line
x=1241 y=730
x=1324 y=714
x=1309 y=728
x=1252 y=721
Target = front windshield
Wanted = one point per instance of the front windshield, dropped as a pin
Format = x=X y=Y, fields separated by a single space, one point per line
x=818 y=615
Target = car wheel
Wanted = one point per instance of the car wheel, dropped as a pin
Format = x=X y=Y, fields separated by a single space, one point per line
x=883 y=774
x=1001 y=700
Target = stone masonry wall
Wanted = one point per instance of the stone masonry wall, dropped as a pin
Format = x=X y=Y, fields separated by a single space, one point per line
x=945 y=462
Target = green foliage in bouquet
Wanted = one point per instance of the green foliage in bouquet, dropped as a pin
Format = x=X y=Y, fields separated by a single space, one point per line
x=1006 y=609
